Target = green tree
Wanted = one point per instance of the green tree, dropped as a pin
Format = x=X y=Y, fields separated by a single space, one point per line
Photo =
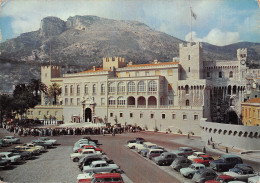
x=5 y=107
x=54 y=91
x=23 y=99
x=36 y=86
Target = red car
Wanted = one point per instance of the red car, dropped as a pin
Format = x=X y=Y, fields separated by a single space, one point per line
x=107 y=178
x=90 y=147
x=221 y=179
x=203 y=159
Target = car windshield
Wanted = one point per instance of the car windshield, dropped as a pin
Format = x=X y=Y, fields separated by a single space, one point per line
x=91 y=165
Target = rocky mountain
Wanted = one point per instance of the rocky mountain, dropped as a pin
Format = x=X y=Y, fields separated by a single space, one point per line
x=81 y=41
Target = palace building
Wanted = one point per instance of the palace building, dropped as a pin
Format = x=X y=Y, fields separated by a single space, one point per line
x=170 y=96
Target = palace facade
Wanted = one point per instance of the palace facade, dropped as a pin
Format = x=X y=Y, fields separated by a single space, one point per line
x=170 y=96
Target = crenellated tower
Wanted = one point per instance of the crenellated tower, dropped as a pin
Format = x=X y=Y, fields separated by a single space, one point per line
x=191 y=61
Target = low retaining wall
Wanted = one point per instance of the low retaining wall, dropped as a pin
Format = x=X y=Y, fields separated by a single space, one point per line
x=237 y=136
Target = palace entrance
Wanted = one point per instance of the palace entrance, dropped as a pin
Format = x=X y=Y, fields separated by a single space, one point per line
x=88 y=115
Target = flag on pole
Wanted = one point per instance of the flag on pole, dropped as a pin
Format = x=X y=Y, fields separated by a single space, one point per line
x=193 y=14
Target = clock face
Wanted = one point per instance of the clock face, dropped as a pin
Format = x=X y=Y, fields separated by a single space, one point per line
x=243 y=62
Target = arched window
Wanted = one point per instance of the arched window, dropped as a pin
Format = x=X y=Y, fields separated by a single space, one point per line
x=231 y=74
x=187 y=103
x=78 y=89
x=152 y=86
x=71 y=90
x=187 y=89
x=111 y=101
x=86 y=89
x=103 y=89
x=141 y=86
x=111 y=87
x=120 y=101
x=94 y=88
x=66 y=90
x=121 y=87
x=131 y=86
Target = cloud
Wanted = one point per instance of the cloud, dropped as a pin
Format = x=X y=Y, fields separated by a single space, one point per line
x=169 y=16
x=216 y=37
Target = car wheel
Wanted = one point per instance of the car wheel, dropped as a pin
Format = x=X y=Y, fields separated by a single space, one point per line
x=75 y=159
x=190 y=176
x=113 y=171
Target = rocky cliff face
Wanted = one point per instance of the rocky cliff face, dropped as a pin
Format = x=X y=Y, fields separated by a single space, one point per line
x=81 y=42
x=52 y=26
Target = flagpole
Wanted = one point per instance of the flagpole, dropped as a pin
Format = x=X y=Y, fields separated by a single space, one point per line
x=190 y=25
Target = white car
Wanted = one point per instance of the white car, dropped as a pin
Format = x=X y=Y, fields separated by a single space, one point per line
x=85 y=176
x=191 y=170
x=146 y=145
x=10 y=156
x=11 y=140
x=134 y=145
x=101 y=166
x=46 y=139
x=241 y=173
x=75 y=157
x=195 y=155
x=255 y=179
x=82 y=144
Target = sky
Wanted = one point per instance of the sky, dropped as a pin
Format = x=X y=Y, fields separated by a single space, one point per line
x=218 y=22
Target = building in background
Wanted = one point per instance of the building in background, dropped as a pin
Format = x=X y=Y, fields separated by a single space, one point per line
x=161 y=95
x=251 y=112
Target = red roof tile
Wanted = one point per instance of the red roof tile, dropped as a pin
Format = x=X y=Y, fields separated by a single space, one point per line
x=254 y=100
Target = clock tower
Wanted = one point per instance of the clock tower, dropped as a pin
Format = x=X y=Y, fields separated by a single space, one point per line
x=242 y=58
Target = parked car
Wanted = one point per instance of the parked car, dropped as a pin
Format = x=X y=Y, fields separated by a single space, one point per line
x=78 y=145
x=91 y=159
x=195 y=155
x=187 y=151
x=146 y=145
x=191 y=170
x=144 y=152
x=139 y=139
x=133 y=145
x=42 y=143
x=25 y=155
x=241 y=173
x=4 y=162
x=85 y=158
x=10 y=156
x=225 y=162
x=107 y=177
x=75 y=157
x=28 y=149
x=3 y=143
x=221 y=179
x=154 y=153
x=203 y=175
x=85 y=177
x=34 y=146
x=101 y=166
x=46 y=139
x=11 y=140
x=239 y=166
x=97 y=149
x=90 y=139
x=165 y=158
x=203 y=159
x=180 y=162
x=255 y=179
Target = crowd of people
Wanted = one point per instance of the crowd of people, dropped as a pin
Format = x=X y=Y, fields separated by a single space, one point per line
x=56 y=130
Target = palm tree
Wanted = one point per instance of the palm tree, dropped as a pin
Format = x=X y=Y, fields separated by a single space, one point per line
x=37 y=86
x=54 y=90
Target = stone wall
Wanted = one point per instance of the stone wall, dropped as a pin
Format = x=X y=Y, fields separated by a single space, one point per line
x=237 y=136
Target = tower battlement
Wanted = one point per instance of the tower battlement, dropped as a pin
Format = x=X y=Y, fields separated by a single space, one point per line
x=241 y=54
x=188 y=45
x=116 y=62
